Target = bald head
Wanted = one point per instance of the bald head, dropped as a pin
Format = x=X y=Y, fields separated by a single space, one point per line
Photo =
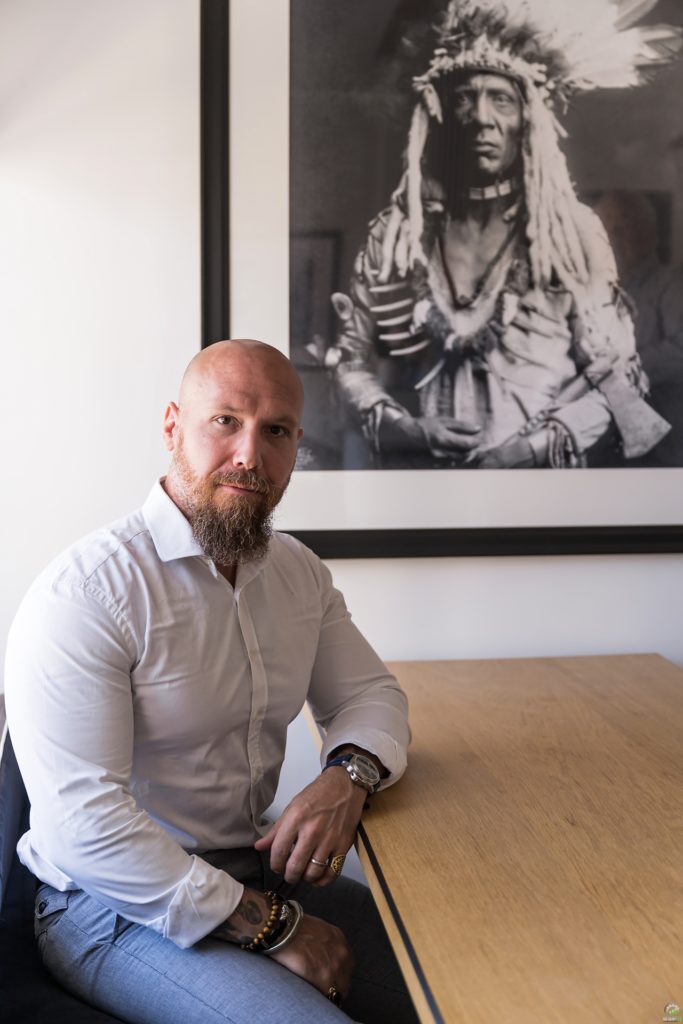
x=233 y=438
x=237 y=357
x=236 y=426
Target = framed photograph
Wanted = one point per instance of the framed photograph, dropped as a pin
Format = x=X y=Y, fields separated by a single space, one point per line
x=308 y=118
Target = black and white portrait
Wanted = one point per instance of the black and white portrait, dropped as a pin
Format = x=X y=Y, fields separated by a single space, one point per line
x=486 y=229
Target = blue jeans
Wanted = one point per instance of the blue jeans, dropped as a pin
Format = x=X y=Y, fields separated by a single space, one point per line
x=135 y=974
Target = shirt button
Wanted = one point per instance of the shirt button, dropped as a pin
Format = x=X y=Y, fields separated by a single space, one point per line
x=41 y=906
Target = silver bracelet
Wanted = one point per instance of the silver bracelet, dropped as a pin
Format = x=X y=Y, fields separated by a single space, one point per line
x=296 y=915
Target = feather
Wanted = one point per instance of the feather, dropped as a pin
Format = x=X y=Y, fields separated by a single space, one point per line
x=558 y=45
x=631 y=11
x=661 y=43
x=432 y=101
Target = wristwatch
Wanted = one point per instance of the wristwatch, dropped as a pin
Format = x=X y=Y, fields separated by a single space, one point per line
x=361 y=770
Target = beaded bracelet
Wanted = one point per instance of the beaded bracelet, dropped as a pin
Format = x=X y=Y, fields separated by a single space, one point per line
x=274 y=918
x=280 y=927
x=294 y=913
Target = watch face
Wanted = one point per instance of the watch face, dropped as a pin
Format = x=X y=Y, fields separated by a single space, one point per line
x=365 y=769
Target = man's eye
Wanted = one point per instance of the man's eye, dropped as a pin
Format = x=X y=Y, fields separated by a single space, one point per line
x=278 y=431
x=502 y=101
x=225 y=420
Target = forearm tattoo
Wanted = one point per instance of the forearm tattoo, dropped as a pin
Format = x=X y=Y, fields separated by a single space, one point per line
x=249 y=910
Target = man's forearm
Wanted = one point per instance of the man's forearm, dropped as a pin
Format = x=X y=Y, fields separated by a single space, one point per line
x=247 y=919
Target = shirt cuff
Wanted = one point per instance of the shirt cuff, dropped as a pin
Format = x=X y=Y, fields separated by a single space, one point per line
x=204 y=899
x=392 y=756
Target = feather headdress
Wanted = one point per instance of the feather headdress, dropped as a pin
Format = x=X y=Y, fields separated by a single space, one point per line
x=553 y=49
x=558 y=47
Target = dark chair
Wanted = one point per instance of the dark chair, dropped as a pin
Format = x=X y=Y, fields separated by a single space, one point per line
x=27 y=992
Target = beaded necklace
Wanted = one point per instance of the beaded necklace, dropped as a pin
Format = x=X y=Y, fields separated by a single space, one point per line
x=467 y=301
x=497 y=191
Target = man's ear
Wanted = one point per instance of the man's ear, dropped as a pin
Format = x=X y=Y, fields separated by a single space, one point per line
x=171 y=426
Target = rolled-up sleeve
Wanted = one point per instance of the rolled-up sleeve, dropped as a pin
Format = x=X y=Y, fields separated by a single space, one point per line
x=352 y=694
x=70 y=711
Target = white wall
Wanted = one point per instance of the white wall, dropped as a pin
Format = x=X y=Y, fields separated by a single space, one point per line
x=99 y=273
x=99 y=260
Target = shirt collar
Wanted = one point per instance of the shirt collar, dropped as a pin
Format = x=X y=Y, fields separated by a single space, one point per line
x=173 y=538
x=168 y=527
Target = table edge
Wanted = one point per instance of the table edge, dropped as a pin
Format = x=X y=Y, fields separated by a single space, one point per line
x=375 y=873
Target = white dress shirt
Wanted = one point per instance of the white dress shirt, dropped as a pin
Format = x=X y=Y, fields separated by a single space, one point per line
x=148 y=703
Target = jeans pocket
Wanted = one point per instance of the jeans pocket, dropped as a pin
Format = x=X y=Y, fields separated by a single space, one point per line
x=49 y=908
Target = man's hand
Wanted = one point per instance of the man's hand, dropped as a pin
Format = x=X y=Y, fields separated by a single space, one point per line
x=440 y=435
x=319 y=954
x=449 y=436
x=516 y=453
x=319 y=822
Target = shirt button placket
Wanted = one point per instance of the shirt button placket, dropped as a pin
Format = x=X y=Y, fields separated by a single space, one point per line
x=259 y=696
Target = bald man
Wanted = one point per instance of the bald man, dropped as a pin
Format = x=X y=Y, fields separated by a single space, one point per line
x=152 y=672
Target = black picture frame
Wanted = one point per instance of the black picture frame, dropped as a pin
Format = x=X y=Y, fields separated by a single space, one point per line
x=618 y=539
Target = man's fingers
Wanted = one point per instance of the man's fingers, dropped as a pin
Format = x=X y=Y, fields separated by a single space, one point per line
x=266 y=841
x=299 y=860
x=319 y=822
x=292 y=849
x=457 y=441
x=448 y=438
x=320 y=954
x=307 y=861
x=460 y=427
x=437 y=424
x=317 y=869
x=281 y=850
x=451 y=434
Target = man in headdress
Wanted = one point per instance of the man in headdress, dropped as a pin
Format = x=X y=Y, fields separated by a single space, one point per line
x=485 y=325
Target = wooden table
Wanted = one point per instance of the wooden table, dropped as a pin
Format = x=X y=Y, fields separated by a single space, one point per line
x=529 y=867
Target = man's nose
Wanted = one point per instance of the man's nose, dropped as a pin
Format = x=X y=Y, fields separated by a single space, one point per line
x=481 y=109
x=247 y=451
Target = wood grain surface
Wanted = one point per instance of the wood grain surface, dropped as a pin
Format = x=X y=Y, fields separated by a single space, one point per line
x=529 y=866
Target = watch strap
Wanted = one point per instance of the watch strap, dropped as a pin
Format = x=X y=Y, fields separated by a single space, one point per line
x=345 y=761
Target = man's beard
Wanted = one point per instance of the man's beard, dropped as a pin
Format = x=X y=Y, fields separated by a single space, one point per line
x=236 y=529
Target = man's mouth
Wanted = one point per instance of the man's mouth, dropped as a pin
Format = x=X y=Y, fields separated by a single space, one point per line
x=240 y=488
x=485 y=148
x=245 y=485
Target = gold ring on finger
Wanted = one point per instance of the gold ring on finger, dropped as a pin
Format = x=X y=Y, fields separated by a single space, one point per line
x=334 y=995
x=337 y=863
